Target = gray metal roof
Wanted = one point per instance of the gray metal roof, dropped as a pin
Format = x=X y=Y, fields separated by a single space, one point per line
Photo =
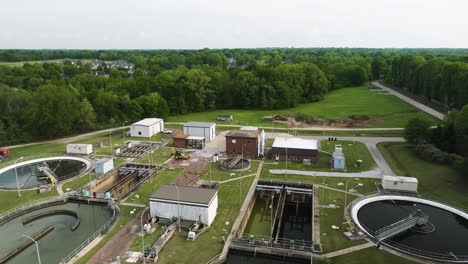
x=147 y=122
x=199 y=124
x=186 y=194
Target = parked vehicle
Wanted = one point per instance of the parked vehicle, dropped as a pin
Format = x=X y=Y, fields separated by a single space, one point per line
x=4 y=154
x=167 y=131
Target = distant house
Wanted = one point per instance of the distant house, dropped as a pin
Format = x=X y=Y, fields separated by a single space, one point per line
x=80 y=149
x=200 y=129
x=147 y=127
x=224 y=118
x=188 y=203
x=295 y=149
x=247 y=142
x=96 y=63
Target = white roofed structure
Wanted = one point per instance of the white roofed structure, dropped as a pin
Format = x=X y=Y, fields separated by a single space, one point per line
x=147 y=127
x=295 y=143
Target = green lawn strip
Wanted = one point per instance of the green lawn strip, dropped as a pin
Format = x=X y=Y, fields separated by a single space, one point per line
x=439 y=181
x=10 y=199
x=160 y=155
x=385 y=110
x=144 y=192
x=209 y=243
x=77 y=183
x=331 y=239
x=218 y=174
x=150 y=239
x=368 y=255
x=124 y=218
x=34 y=151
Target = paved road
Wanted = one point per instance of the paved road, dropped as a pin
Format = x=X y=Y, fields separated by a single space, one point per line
x=416 y=104
x=370 y=143
x=67 y=140
x=217 y=144
x=372 y=174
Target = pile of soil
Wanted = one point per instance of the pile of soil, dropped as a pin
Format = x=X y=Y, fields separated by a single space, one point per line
x=299 y=120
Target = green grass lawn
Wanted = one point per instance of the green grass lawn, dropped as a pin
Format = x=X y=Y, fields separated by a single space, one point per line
x=150 y=239
x=209 y=243
x=218 y=174
x=10 y=199
x=368 y=255
x=124 y=218
x=160 y=155
x=144 y=192
x=35 y=151
x=386 y=110
x=77 y=183
x=442 y=182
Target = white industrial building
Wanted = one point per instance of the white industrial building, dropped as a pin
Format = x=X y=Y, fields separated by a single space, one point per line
x=201 y=129
x=190 y=203
x=104 y=165
x=147 y=127
x=80 y=149
x=399 y=183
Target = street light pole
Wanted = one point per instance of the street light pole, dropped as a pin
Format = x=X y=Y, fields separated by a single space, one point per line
x=143 y=235
x=346 y=195
x=37 y=247
x=178 y=206
x=16 y=175
x=123 y=131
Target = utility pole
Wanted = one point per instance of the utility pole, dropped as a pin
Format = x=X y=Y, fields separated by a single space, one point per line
x=143 y=234
x=346 y=195
x=37 y=248
x=16 y=174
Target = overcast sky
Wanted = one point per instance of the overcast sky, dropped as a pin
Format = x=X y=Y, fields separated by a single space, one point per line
x=184 y=24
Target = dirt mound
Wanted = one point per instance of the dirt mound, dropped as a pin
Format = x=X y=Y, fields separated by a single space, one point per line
x=299 y=120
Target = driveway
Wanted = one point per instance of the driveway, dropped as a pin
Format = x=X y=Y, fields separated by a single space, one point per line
x=217 y=144
x=410 y=101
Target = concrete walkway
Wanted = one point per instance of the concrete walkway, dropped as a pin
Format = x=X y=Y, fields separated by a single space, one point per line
x=217 y=144
x=373 y=174
x=134 y=204
x=410 y=101
x=347 y=250
x=238 y=178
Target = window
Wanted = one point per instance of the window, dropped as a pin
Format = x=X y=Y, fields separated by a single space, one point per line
x=234 y=141
x=139 y=133
x=248 y=141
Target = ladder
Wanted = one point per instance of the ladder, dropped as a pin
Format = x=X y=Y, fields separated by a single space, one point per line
x=234 y=161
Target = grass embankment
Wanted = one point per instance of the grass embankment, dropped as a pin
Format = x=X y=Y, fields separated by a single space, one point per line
x=386 y=110
x=442 y=182
x=210 y=243
x=159 y=156
x=10 y=199
x=339 y=133
x=144 y=192
x=77 y=183
x=124 y=218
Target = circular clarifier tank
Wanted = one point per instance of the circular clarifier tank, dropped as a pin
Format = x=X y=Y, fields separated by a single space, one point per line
x=442 y=238
x=31 y=173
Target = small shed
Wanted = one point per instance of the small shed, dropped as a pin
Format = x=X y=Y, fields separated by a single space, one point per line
x=147 y=127
x=201 y=129
x=80 y=149
x=190 y=203
x=400 y=183
x=180 y=141
x=295 y=149
x=104 y=165
x=338 y=160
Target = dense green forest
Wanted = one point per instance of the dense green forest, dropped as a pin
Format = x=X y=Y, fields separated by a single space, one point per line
x=45 y=100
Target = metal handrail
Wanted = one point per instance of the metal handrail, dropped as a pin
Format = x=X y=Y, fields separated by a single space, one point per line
x=30 y=205
x=100 y=231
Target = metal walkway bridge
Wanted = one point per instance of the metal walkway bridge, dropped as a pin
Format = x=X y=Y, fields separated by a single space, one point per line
x=415 y=218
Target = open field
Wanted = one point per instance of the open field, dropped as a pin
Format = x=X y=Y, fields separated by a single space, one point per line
x=208 y=244
x=77 y=183
x=439 y=181
x=159 y=156
x=386 y=110
x=34 y=151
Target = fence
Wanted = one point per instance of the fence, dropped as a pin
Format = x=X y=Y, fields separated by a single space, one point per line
x=101 y=231
x=29 y=205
